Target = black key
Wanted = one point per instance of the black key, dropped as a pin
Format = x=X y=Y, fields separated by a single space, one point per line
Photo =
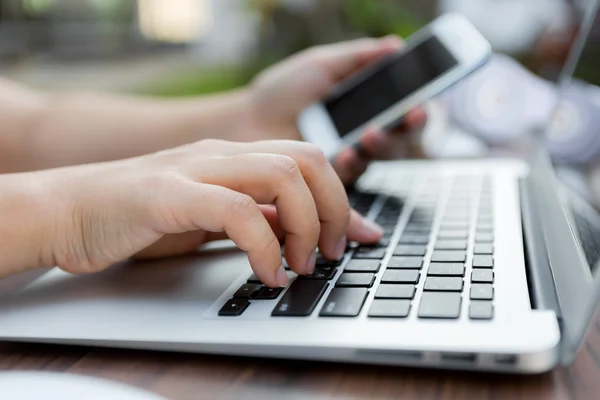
x=323 y=261
x=451 y=245
x=410 y=250
x=446 y=269
x=484 y=248
x=418 y=229
x=405 y=263
x=462 y=234
x=301 y=298
x=443 y=284
x=369 y=252
x=484 y=238
x=268 y=293
x=344 y=302
x=355 y=280
x=254 y=279
x=401 y=276
x=449 y=256
x=481 y=310
x=414 y=239
x=362 y=266
x=247 y=291
x=321 y=273
x=482 y=276
x=440 y=305
x=482 y=291
x=389 y=230
x=395 y=292
x=390 y=308
x=383 y=242
x=480 y=261
x=234 y=307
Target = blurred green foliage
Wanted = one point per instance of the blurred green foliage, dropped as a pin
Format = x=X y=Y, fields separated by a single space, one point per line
x=373 y=18
x=201 y=81
x=383 y=17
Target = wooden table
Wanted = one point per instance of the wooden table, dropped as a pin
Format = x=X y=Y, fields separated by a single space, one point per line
x=185 y=376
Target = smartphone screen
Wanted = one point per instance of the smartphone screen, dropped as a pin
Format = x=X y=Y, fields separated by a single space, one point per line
x=395 y=81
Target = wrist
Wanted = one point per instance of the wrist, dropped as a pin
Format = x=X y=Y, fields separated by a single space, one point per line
x=25 y=219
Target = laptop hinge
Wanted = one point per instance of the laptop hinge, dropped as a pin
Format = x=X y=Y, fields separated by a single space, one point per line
x=542 y=289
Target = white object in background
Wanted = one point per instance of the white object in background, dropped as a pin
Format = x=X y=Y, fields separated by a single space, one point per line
x=501 y=101
x=63 y=386
x=511 y=26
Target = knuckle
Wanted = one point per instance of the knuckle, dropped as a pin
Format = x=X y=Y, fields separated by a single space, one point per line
x=242 y=205
x=287 y=166
x=314 y=154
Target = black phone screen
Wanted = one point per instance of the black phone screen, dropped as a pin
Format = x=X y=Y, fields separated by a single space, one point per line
x=396 y=79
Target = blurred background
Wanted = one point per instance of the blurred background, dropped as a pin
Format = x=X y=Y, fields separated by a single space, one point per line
x=195 y=47
x=189 y=47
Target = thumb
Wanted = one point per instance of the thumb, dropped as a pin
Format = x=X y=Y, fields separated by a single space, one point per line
x=344 y=58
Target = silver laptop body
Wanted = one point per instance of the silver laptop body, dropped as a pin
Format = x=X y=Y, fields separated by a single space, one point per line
x=483 y=267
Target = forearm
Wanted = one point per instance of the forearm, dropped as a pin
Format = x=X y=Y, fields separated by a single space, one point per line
x=84 y=128
x=24 y=222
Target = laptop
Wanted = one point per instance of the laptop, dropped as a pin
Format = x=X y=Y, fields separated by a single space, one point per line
x=486 y=265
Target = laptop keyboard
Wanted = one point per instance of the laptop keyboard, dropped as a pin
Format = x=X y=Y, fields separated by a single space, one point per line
x=443 y=257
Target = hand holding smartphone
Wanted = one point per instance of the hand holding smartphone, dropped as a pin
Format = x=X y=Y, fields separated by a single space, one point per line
x=434 y=58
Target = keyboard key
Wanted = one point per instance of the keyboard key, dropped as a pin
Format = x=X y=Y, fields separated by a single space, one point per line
x=455 y=226
x=390 y=308
x=383 y=242
x=234 y=307
x=451 y=245
x=483 y=248
x=268 y=293
x=485 y=228
x=323 y=261
x=301 y=298
x=414 y=239
x=362 y=266
x=254 y=279
x=247 y=291
x=482 y=276
x=395 y=292
x=480 y=261
x=410 y=250
x=440 y=305
x=344 y=302
x=321 y=273
x=369 y=252
x=461 y=234
x=405 y=263
x=481 y=310
x=443 y=284
x=401 y=276
x=484 y=238
x=418 y=229
x=482 y=291
x=449 y=256
x=446 y=269
x=355 y=280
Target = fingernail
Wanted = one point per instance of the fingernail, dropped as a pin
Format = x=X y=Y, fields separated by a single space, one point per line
x=340 y=248
x=371 y=227
x=281 y=277
x=310 y=265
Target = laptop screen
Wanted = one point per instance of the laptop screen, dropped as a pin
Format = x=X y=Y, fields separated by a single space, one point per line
x=573 y=137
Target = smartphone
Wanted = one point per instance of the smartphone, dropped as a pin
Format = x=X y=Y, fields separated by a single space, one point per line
x=435 y=57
